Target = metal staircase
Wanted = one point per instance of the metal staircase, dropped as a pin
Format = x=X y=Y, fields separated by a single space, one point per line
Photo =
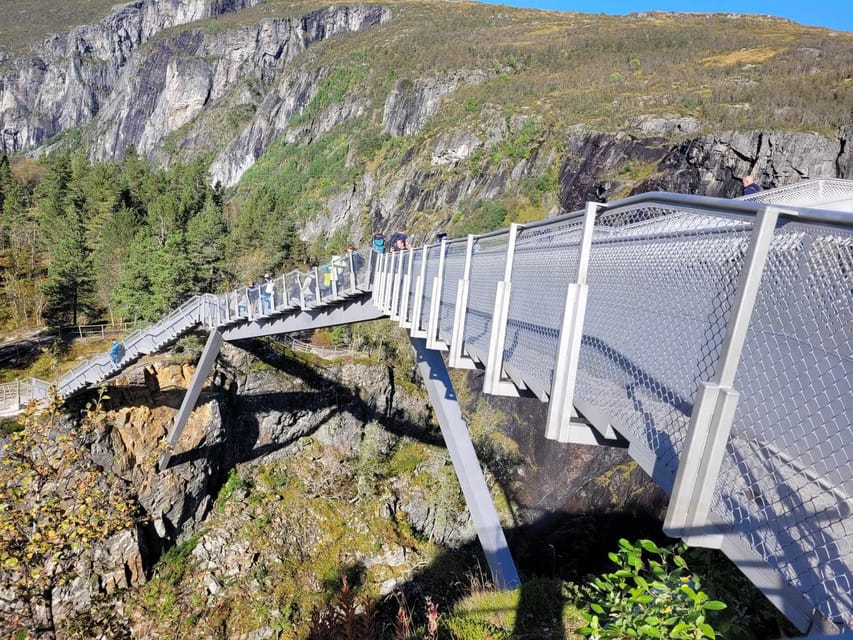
x=710 y=337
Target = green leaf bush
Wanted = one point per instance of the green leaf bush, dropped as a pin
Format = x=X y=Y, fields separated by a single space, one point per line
x=652 y=594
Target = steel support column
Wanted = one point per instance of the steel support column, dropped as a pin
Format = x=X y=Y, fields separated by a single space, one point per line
x=714 y=409
x=202 y=370
x=455 y=432
x=560 y=425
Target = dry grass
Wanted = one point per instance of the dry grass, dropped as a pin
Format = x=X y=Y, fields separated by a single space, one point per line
x=28 y=22
x=744 y=56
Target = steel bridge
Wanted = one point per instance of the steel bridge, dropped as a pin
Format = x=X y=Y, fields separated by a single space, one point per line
x=710 y=337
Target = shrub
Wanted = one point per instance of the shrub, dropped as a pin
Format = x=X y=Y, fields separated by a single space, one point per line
x=653 y=597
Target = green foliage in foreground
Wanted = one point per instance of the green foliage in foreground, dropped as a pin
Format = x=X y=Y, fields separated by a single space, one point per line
x=652 y=594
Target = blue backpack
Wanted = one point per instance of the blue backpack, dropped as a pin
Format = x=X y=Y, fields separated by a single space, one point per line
x=379 y=244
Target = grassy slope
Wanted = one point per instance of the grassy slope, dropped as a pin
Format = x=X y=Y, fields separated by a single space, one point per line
x=27 y=22
x=602 y=70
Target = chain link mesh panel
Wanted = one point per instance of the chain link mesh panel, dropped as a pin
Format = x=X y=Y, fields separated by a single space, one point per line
x=545 y=262
x=454 y=269
x=811 y=193
x=786 y=482
x=661 y=284
x=487 y=268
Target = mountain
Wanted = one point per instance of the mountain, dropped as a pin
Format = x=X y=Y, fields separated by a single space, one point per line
x=418 y=112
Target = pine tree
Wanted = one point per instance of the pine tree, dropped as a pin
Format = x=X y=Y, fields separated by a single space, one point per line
x=132 y=297
x=206 y=234
x=5 y=178
x=70 y=287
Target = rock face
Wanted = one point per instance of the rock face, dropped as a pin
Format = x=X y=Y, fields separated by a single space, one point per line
x=169 y=84
x=65 y=81
x=598 y=166
x=249 y=413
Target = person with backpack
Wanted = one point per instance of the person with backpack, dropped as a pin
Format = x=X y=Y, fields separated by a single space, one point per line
x=378 y=244
x=400 y=241
x=117 y=352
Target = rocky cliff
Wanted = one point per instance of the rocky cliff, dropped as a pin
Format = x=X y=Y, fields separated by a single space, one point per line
x=65 y=81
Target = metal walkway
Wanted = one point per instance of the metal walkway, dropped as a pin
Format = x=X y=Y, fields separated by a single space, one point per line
x=711 y=337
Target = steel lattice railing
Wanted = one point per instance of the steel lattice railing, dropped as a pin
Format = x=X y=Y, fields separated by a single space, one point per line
x=678 y=296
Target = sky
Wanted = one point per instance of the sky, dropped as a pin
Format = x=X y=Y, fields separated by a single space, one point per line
x=834 y=14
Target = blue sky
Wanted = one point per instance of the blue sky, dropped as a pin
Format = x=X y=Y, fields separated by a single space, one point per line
x=835 y=14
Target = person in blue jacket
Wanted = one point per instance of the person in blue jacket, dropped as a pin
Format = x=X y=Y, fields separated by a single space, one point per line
x=116 y=352
x=749 y=186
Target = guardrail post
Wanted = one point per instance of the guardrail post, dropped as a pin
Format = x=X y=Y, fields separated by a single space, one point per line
x=714 y=409
x=418 y=300
x=457 y=357
x=405 y=323
x=561 y=398
x=376 y=275
x=433 y=340
x=205 y=365
x=494 y=383
x=317 y=299
x=389 y=281
x=379 y=280
x=353 y=284
x=398 y=285
x=467 y=466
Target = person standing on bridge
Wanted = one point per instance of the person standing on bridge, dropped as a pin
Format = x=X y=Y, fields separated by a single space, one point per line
x=749 y=186
x=400 y=241
x=265 y=291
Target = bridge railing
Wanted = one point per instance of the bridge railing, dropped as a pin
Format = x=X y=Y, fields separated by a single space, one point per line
x=681 y=299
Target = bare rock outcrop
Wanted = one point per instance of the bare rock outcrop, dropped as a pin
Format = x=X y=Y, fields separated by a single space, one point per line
x=65 y=81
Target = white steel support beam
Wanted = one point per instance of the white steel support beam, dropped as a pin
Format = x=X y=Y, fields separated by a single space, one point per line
x=202 y=370
x=561 y=399
x=388 y=285
x=433 y=340
x=416 y=331
x=494 y=383
x=714 y=408
x=457 y=357
x=353 y=284
x=376 y=278
x=405 y=323
x=467 y=466
x=317 y=298
x=398 y=286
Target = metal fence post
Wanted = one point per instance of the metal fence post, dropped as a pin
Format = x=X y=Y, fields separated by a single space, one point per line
x=561 y=405
x=433 y=340
x=405 y=323
x=713 y=412
x=493 y=382
x=416 y=331
x=457 y=357
x=397 y=287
